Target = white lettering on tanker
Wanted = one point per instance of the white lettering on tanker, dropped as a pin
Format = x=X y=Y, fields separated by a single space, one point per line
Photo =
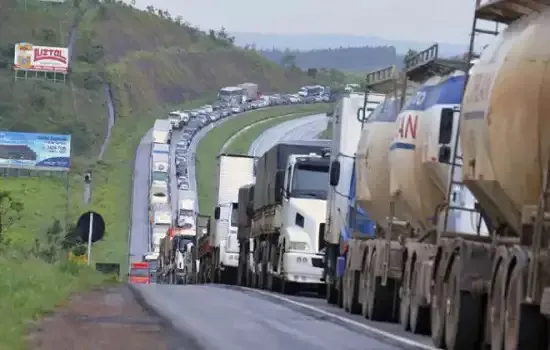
x=34 y=58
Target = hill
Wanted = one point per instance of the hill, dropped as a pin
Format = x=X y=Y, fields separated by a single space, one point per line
x=137 y=63
x=351 y=59
x=308 y=42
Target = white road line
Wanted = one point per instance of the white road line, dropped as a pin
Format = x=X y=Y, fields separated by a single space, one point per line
x=368 y=328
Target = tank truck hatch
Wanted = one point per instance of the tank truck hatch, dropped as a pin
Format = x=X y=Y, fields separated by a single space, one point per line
x=425 y=64
x=508 y=11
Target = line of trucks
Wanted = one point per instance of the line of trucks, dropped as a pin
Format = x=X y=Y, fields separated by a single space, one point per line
x=429 y=206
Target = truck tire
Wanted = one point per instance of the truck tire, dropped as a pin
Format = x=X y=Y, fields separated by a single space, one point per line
x=496 y=308
x=419 y=315
x=437 y=309
x=287 y=287
x=380 y=302
x=464 y=320
x=405 y=296
x=331 y=292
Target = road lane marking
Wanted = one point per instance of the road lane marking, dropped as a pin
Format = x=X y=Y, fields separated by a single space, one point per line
x=370 y=329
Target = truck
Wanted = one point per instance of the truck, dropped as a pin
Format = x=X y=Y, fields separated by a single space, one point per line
x=162 y=131
x=246 y=243
x=288 y=217
x=344 y=222
x=222 y=251
x=177 y=256
x=232 y=94
x=187 y=203
x=151 y=259
x=203 y=248
x=139 y=273
x=250 y=91
x=161 y=221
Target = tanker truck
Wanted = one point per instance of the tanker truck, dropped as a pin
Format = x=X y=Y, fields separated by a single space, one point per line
x=342 y=216
x=288 y=217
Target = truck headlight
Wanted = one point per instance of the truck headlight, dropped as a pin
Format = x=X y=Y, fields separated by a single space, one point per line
x=300 y=246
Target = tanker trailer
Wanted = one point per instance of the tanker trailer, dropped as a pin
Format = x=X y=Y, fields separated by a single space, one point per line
x=506 y=133
x=376 y=294
x=425 y=145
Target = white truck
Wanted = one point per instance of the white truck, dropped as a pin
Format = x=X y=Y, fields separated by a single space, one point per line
x=161 y=220
x=159 y=170
x=250 y=91
x=350 y=114
x=288 y=218
x=220 y=255
x=162 y=131
x=187 y=200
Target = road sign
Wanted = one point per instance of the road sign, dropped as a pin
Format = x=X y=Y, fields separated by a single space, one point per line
x=91 y=225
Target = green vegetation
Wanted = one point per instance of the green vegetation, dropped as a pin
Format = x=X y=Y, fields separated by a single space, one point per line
x=212 y=143
x=327 y=133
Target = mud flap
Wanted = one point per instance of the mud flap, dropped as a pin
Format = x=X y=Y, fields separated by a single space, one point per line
x=533 y=328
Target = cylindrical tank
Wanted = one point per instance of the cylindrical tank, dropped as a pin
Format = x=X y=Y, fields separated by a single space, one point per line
x=418 y=181
x=371 y=162
x=505 y=122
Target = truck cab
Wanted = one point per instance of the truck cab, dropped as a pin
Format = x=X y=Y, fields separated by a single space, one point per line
x=227 y=217
x=304 y=195
x=139 y=273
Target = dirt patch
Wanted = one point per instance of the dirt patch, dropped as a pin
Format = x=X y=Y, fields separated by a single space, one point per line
x=107 y=319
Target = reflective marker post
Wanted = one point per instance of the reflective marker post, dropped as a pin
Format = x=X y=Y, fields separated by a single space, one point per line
x=90 y=231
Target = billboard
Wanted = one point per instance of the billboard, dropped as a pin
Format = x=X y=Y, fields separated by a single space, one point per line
x=29 y=57
x=23 y=150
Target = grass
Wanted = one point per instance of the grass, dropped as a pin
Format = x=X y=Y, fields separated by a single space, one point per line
x=327 y=133
x=30 y=288
x=211 y=144
x=242 y=143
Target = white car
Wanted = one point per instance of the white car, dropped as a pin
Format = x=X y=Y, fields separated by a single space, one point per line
x=184 y=186
x=208 y=108
x=158 y=198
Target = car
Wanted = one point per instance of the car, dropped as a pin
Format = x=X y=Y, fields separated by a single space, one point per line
x=236 y=109
x=193 y=113
x=183 y=186
x=207 y=108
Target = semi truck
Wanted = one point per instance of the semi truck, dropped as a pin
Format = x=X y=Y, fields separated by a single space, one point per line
x=161 y=221
x=232 y=172
x=177 y=256
x=345 y=224
x=187 y=202
x=162 y=131
x=246 y=243
x=250 y=91
x=203 y=248
x=288 y=217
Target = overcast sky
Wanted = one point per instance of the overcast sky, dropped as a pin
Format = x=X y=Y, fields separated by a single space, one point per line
x=425 y=20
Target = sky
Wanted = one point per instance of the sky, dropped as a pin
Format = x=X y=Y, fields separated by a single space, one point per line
x=416 y=20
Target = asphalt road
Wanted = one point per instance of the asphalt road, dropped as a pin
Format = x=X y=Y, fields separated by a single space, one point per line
x=298 y=129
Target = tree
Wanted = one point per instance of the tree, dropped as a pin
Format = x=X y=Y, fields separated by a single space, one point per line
x=288 y=60
x=150 y=9
x=10 y=211
x=133 y=3
x=178 y=20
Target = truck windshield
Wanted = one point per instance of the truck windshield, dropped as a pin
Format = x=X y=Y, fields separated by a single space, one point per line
x=140 y=272
x=235 y=214
x=160 y=176
x=310 y=181
x=186 y=212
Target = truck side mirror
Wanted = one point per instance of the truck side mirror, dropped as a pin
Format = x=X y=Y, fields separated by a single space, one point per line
x=279 y=185
x=335 y=173
x=217 y=213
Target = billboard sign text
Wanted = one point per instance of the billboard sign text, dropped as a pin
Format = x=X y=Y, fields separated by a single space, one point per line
x=34 y=58
x=23 y=150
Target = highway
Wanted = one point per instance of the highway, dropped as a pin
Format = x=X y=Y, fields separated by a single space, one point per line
x=220 y=317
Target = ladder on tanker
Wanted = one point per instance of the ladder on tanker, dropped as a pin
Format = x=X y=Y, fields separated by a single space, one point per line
x=498 y=12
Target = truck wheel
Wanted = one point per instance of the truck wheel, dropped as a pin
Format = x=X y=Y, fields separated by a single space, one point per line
x=419 y=317
x=405 y=295
x=288 y=287
x=496 y=309
x=525 y=327
x=464 y=319
x=380 y=298
x=437 y=310
x=331 y=292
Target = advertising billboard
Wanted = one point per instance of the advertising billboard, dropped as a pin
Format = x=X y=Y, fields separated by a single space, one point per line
x=29 y=57
x=23 y=150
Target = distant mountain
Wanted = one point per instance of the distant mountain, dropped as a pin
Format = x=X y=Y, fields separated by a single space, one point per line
x=353 y=59
x=307 y=42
